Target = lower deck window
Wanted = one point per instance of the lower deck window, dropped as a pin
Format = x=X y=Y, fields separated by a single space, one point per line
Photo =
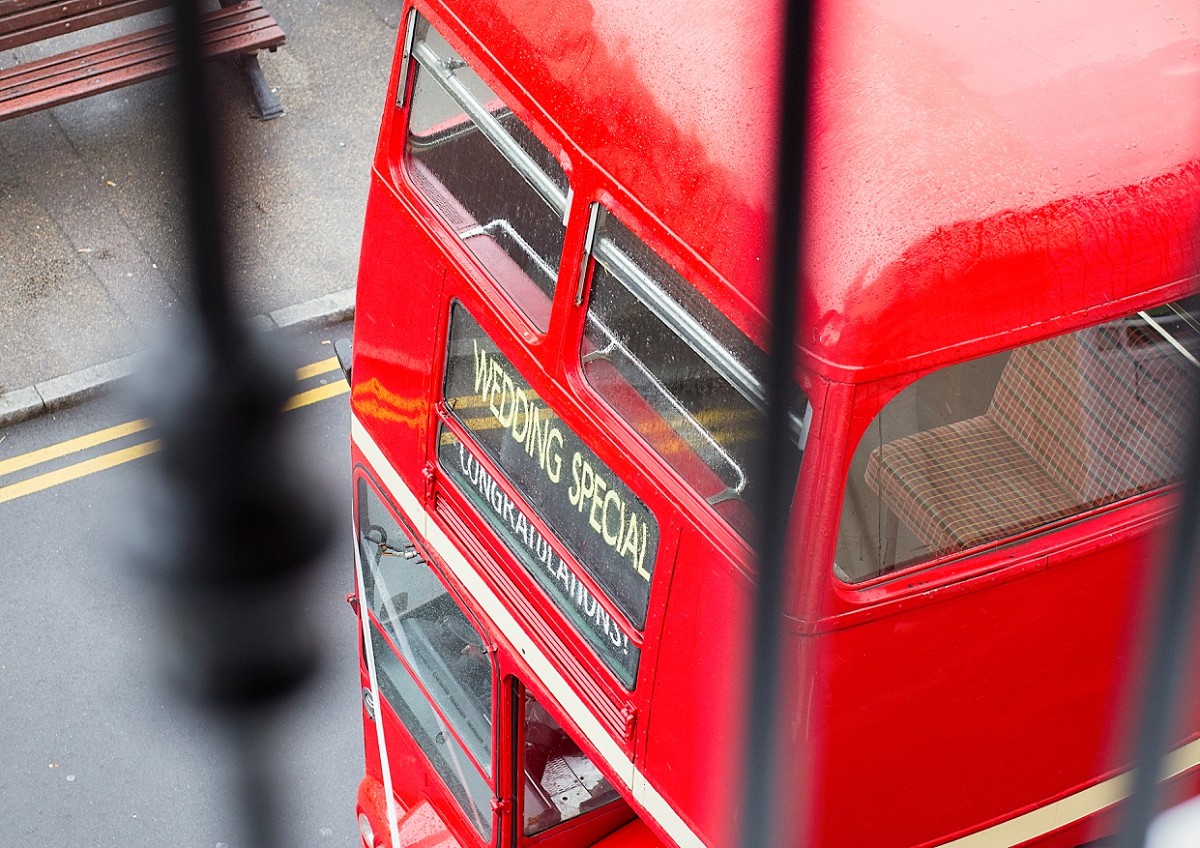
x=430 y=659
x=986 y=451
x=560 y=782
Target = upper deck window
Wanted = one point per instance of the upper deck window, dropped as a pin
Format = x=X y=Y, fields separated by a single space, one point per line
x=677 y=370
x=987 y=451
x=486 y=174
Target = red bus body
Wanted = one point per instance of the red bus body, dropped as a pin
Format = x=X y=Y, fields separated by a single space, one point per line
x=982 y=178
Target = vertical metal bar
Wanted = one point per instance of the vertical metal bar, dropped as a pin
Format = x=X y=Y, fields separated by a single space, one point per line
x=1167 y=658
x=229 y=529
x=406 y=58
x=202 y=181
x=760 y=816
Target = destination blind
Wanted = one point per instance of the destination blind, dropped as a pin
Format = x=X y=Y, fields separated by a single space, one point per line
x=534 y=552
x=608 y=529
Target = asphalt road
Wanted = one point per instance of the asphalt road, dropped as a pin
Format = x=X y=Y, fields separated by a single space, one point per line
x=95 y=749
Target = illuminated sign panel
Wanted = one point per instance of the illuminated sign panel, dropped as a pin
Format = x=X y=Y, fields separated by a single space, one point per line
x=608 y=530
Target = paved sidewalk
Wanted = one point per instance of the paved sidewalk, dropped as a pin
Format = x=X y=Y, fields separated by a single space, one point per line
x=90 y=259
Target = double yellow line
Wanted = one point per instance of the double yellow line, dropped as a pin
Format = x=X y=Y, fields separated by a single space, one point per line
x=50 y=479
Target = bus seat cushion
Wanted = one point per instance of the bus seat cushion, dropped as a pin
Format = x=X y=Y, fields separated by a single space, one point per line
x=964 y=484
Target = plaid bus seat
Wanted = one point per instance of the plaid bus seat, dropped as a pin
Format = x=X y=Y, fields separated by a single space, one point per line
x=1076 y=422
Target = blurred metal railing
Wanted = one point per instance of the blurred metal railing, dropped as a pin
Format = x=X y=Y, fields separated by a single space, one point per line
x=1167 y=661
x=230 y=529
x=762 y=823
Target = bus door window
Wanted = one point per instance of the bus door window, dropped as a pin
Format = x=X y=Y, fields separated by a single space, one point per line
x=486 y=174
x=431 y=661
x=983 y=452
x=677 y=370
x=559 y=781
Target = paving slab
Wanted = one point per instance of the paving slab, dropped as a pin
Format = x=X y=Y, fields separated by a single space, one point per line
x=92 y=260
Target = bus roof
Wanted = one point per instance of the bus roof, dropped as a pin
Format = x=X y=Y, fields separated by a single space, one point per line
x=977 y=168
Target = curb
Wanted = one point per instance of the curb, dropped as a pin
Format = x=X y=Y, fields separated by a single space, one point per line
x=70 y=389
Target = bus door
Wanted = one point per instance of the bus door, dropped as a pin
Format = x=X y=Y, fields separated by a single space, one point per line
x=428 y=689
x=557 y=795
x=433 y=708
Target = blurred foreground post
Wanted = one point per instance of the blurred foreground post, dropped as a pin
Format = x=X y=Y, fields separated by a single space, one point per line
x=762 y=825
x=1171 y=630
x=229 y=530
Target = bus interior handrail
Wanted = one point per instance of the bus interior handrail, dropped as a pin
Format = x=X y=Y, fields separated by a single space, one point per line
x=503 y=225
x=683 y=324
x=491 y=128
x=1169 y=336
x=614 y=343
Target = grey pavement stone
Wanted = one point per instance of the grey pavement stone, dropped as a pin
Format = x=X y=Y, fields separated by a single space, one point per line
x=80 y=202
x=92 y=255
x=261 y=323
x=55 y=316
x=20 y=405
x=388 y=11
x=329 y=309
x=78 y=386
x=69 y=389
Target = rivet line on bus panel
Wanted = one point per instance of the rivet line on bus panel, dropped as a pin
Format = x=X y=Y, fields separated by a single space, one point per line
x=87 y=467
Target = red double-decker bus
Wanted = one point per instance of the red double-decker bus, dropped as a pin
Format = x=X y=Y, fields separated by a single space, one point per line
x=557 y=389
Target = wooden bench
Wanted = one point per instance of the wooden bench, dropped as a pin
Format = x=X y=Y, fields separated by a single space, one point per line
x=235 y=29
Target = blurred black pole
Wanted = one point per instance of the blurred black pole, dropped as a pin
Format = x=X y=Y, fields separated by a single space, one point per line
x=1167 y=657
x=761 y=815
x=230 y=529
x=198 y=138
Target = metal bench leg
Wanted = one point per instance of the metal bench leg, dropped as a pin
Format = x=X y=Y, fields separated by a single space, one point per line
x=265 y=100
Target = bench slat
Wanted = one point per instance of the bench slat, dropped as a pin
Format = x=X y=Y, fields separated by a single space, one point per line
x=123 y=55
x=14 y=7
x=67 y=16
x=122 y=61
x=99 y=83
x=244 y=13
